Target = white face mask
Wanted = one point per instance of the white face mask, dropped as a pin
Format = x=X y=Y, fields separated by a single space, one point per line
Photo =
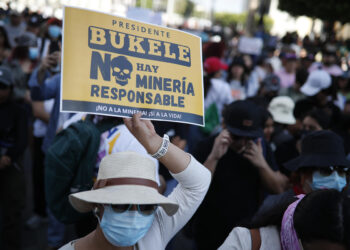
x=126 y=228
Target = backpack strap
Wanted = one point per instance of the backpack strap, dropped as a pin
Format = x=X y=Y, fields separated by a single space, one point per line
x=256 y=238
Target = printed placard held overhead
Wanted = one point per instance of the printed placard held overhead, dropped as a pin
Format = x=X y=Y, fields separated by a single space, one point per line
x=116 y=66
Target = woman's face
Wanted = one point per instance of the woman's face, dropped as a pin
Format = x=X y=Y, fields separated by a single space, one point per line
x=268 y=129
x=310 y=124
x=237 y=71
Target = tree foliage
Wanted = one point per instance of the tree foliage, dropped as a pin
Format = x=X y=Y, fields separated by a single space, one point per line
x=184 y=7
x=228 y=19
x=327 y=10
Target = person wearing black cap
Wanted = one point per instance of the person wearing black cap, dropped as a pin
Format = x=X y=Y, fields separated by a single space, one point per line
x=322 y=164
x=13 y=141
x=239 y=169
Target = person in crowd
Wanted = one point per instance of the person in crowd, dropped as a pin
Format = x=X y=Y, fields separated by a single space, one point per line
x=15 y=27
x=21 y=62
x=41 y=113
x=50 y=42
x=235 y=158
x=44 y=84
x=288 y=72
x=329 y=62
x=343 y=88
x=217 y=94
x=319 y=91
x=294 y=90
x=268 y=129
x=317 y=167
x=131 y=212
x=269 y=89
x=13 y=141
x=5 y=48
x=316 y=120
x=216 y=91
x=281 y=108
x=34 y=24
x=242 y=84
x=319 y=220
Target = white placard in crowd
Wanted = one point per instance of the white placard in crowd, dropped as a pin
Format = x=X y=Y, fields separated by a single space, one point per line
x=250 y=45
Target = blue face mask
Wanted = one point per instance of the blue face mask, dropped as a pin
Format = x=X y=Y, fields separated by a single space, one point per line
x=33 y=53
x=124 y=229
x=332 y=181
x=54 y=31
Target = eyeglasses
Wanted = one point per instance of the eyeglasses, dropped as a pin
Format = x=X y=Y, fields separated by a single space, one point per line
x=145 y=209
x=329 y=170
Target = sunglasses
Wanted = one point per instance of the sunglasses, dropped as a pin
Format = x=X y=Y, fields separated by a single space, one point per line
x=329 y=170
x=146 y=209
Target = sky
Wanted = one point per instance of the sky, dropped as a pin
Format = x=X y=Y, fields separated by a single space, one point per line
x=234 y=6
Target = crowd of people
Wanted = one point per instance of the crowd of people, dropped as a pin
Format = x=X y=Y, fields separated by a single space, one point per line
x=269 y=170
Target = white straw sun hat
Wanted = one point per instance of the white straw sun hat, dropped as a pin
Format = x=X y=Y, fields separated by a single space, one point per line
x=124 y=178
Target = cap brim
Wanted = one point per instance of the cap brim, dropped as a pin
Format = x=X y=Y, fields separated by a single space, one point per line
x=245 y=133
x=308 y=90
x=284 y=119
x=316 y=161
x=125 y=194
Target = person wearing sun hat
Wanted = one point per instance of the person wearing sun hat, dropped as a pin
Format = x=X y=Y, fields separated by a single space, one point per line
x=131 y=212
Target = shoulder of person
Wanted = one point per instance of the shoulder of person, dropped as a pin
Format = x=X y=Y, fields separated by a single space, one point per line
x=68 y=246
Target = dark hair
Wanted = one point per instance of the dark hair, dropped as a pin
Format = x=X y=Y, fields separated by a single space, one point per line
x=323 y=215
x=237 y=61
x=265 y=115
x=207 y=82
x=301 y=76
x=4 y=33
x=20 y=52
x=272 y=214
x=321 y=117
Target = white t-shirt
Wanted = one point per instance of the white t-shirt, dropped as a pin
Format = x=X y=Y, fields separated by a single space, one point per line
x=240 y=239
x=219 y=93
x=189 y=193
x=40 y=127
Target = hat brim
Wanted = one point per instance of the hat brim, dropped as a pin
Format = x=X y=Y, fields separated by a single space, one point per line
x=123 y=194
x=308 y=90
x=316 y=161
x=245 y=133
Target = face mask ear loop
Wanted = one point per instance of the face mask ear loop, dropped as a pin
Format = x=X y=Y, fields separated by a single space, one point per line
x=96 y=212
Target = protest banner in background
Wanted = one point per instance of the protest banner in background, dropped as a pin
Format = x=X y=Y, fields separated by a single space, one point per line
x=116 y=66
x=250 y=45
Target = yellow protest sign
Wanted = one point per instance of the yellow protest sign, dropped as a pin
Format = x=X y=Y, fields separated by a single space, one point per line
x=116 y=66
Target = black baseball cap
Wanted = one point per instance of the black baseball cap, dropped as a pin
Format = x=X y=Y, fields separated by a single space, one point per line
x=242 y=118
